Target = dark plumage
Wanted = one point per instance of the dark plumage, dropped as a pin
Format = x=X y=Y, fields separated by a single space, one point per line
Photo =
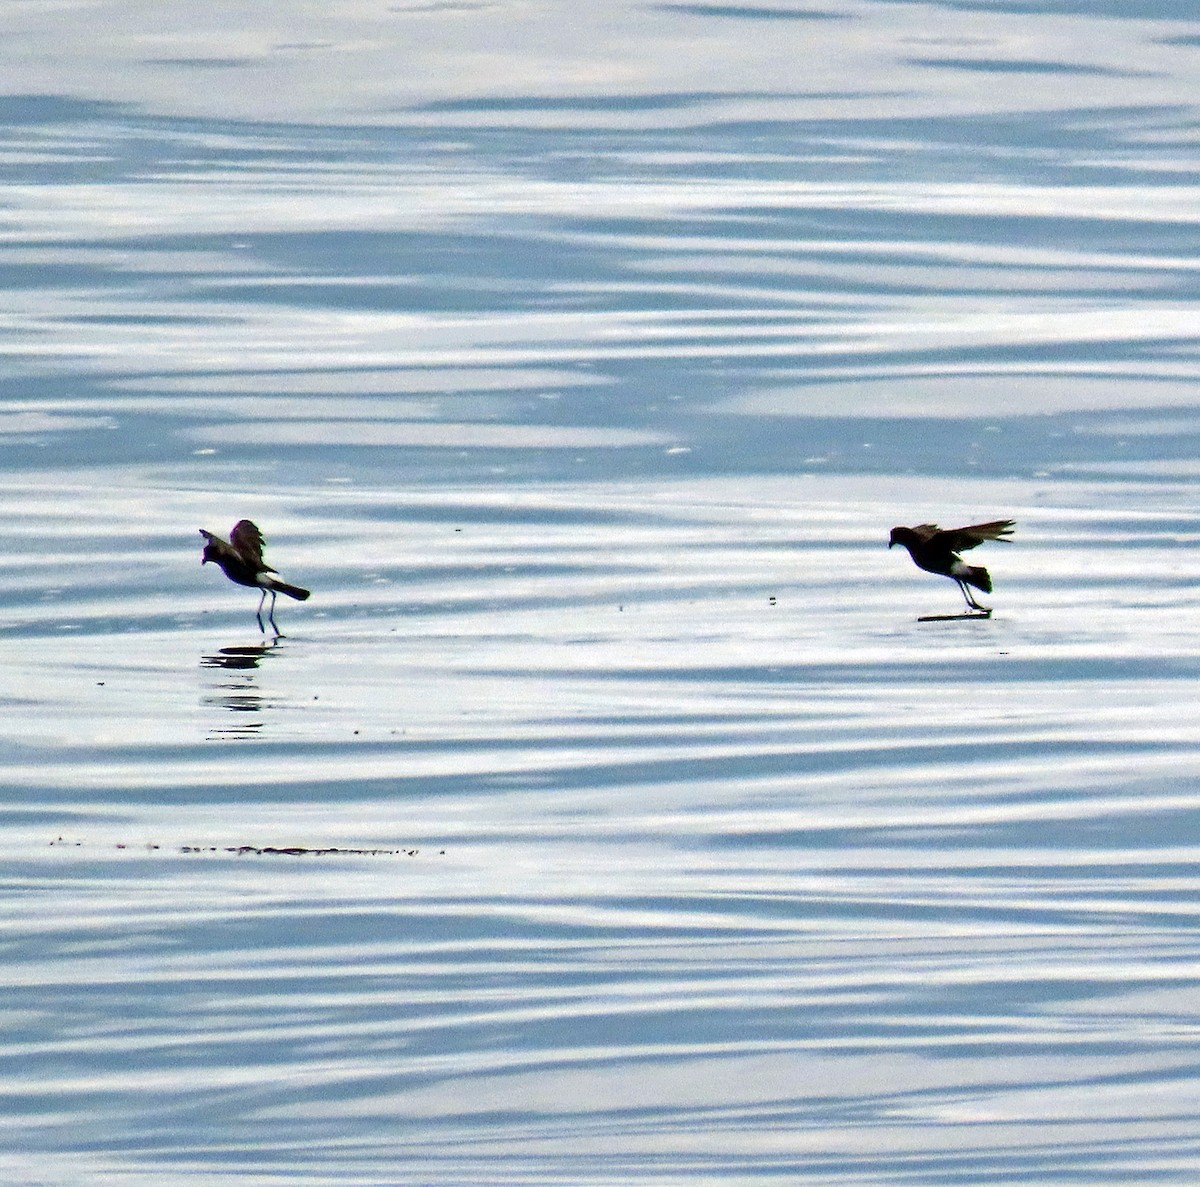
x=936 y=551
x=241 y=560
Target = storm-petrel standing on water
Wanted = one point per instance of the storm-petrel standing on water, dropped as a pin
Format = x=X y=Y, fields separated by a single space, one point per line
x=936 y=551
x=241 y=560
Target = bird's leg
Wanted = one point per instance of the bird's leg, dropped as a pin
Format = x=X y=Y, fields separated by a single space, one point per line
x=271 y=612
x=258 y=612
x=967 y=594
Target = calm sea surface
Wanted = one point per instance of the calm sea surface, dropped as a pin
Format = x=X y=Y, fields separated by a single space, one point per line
x=606 y=816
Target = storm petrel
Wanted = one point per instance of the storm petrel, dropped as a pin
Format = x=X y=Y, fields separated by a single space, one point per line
x=241 y=560
x=936 y=551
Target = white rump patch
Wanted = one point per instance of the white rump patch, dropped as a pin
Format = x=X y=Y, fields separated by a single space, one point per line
x=958 y=569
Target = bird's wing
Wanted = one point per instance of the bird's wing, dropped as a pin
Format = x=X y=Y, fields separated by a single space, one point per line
x=925 y=531
x=248 y=541
x=222 y=547
x=960 y=539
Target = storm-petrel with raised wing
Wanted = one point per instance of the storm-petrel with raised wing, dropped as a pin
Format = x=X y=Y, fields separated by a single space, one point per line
x=241 y=560
x=936 y=551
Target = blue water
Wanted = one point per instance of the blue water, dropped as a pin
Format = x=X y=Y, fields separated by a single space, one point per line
x=606 y=816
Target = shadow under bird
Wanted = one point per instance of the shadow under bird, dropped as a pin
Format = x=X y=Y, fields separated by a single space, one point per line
x=936 y=551
x=241 y=560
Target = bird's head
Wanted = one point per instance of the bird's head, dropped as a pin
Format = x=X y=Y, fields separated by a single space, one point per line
x=210 y=549
x=894 y=538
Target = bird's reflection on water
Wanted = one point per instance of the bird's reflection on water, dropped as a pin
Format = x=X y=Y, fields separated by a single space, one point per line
x=239 y=693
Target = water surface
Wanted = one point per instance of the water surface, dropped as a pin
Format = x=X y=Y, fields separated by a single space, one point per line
x=606 y=815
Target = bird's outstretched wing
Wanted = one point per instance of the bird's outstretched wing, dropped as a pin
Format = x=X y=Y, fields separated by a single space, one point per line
x=926 y=531
x=217 y=544
x=248 y=541
x=960 y=539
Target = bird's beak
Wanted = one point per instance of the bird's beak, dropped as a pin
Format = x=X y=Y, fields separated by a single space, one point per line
x=891 y=543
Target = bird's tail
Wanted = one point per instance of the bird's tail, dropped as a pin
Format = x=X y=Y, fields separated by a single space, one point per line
x=977 y=576
x=292 y=591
